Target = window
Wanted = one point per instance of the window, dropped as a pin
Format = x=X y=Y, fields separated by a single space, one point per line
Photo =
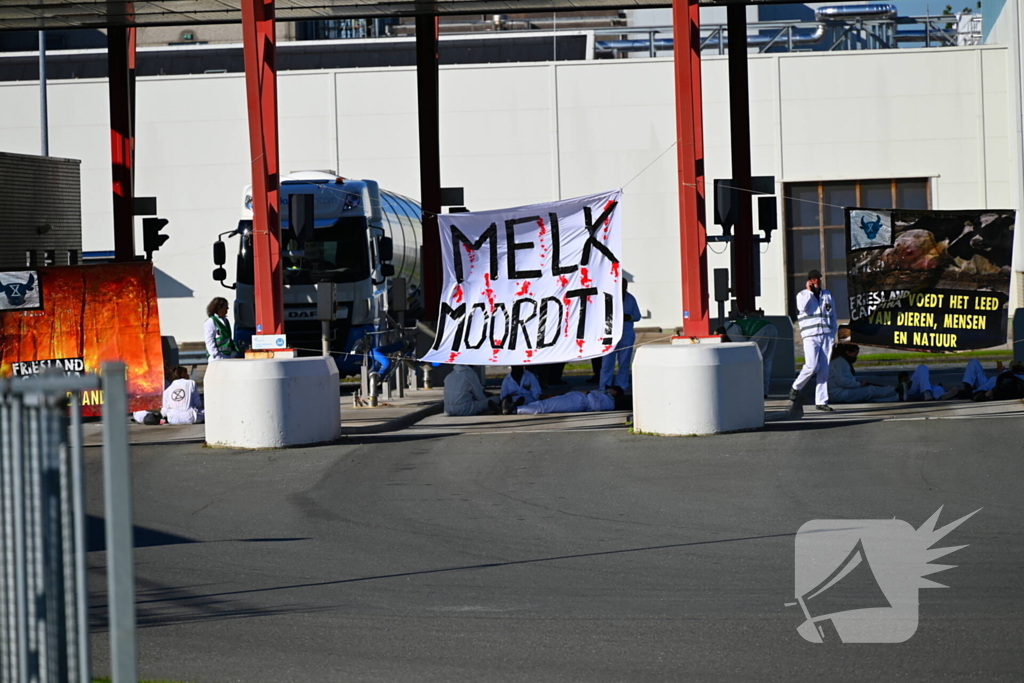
x=816 y=235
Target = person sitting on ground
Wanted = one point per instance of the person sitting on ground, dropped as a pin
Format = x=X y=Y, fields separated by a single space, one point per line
x=519 y=387
x=464 y=394
x=182 y=403
x=918 y=386
x=612 y=398
x=843 y=385
x=753 y=327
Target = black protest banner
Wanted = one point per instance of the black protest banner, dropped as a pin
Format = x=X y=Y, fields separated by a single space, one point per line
x=929 y=280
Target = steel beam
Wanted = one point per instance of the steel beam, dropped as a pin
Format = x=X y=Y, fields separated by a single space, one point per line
x=119 y=92
x=131 y=97
x=743 y=245
x=428 y=104
x=690 y=156
x=259 y=50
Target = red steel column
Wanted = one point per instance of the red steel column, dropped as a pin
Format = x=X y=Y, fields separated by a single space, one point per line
x=690 y=154
x=428 y=104
x=119 y=93
x=259 y=52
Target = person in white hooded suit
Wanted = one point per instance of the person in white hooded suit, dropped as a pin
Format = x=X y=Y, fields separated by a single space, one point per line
x=182 y=404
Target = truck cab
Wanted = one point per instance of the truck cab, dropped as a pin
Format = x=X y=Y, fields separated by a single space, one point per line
x=344 y=244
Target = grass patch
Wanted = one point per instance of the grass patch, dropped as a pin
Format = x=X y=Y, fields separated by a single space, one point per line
x=926 y=358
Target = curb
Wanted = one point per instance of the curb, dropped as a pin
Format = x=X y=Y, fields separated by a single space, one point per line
x=397 y=423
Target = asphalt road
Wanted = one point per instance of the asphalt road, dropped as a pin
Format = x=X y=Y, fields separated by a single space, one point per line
x=591 y=555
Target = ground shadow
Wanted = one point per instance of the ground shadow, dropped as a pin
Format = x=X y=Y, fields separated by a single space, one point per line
x=143 y=537
x=472 y=567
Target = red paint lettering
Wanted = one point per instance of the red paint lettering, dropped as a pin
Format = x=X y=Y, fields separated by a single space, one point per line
x=585 y=280
x=488 y=292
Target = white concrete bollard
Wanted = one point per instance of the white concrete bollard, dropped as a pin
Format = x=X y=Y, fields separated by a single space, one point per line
x=272 y=403
x=692 y=389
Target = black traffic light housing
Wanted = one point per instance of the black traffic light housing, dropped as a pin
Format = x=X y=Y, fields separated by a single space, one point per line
x=151 y=237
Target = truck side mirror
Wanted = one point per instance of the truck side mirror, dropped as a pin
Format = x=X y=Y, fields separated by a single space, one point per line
x=220 y=275
x=220 y=257
x=387 y=270
x=386 y=249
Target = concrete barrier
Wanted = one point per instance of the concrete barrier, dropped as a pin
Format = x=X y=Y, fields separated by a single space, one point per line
x=692 y=389
x=272 y=403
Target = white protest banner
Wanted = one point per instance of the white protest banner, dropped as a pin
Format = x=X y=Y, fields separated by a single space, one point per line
x=533 y=284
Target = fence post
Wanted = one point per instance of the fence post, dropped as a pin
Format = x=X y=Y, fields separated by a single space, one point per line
x=117 y=493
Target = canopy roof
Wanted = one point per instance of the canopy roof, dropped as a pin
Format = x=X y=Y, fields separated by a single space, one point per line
x=65 y=14
x=20 y=15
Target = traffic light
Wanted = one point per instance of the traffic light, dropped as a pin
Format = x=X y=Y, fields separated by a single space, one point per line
x=151 y=237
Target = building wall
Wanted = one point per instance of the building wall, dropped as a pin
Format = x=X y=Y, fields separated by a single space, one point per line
x=523 y=133
x=40 y=211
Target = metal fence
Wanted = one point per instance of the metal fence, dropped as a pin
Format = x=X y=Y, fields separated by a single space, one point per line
x=44 y=609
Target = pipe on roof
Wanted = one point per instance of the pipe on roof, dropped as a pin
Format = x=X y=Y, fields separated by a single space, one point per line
x=871 y=10
x=800 y=39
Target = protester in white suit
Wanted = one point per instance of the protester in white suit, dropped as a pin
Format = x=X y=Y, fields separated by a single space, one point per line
x=519 y=387
x=574 y=402
x=182 y=403
x=918 y=386
x=816 y=317
x=464 y=394
x=843 y=385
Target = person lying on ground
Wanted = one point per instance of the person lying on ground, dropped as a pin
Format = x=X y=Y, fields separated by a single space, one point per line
x=612 y=398
x=1006 y=386
x=843 y=385
x=182 y=403
x=918 y=386
x=520 y=387
x=975 y=381
x=464 y=394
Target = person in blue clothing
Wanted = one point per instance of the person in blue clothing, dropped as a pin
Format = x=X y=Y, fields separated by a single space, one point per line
x=623 y=351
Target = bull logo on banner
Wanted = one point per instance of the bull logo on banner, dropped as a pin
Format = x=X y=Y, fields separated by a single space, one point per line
x=20 y=291
x=929 y=280
x=533 y=284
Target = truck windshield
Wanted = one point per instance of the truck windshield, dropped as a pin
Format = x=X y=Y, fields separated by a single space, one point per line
x=338 y=254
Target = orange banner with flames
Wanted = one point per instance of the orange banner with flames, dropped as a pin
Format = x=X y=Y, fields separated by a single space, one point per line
x=74 y=318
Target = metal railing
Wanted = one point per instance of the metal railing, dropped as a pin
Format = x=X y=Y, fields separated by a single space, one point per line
x=827 y=33
x=44 y=619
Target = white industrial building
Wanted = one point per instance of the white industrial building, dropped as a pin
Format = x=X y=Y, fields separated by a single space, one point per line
x=937 y=128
